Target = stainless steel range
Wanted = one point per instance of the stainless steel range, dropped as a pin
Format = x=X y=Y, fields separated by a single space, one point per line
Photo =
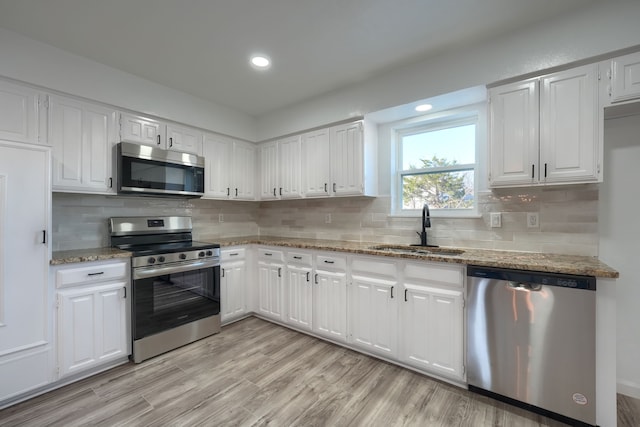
x=175 y=283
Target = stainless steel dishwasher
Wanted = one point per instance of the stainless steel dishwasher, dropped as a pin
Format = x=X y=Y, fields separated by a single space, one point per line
x=531 y=341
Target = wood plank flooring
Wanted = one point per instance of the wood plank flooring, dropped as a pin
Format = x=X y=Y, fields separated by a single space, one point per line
x=255 y=373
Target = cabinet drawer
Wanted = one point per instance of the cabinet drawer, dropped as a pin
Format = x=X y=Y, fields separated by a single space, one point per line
x=375 y=267
x=452 y=275
x=232 y=254
x=299 y=259
x=329 y=262
x=66 y=277
x=270 y=255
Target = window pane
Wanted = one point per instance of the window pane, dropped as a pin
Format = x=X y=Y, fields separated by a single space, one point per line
x=442 y=147
x=445 y=190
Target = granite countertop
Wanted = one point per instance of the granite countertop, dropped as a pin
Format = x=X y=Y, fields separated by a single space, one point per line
x=86 y=255
x=553 y=263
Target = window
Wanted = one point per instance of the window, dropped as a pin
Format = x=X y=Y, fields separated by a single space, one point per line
x=437 y=166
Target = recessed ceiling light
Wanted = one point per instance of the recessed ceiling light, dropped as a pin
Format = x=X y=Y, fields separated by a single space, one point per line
x=260 y=62
x=424 y=107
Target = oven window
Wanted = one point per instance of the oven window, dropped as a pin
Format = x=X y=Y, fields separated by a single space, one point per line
x=164 y=302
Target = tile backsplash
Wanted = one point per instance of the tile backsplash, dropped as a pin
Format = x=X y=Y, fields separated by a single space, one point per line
x=567 y=220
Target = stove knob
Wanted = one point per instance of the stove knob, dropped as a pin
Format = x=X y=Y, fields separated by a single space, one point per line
x=161 y=259
x=201 y=254
x=151 y=260
x=183 y=256
x=209 y=253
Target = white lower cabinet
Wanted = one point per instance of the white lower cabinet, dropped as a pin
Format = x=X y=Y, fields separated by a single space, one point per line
x=270 y=283
x=233 y=279
x=330 y=297
x=299 y=290
x=92 y=318
x=432 y=319
x=373 y=305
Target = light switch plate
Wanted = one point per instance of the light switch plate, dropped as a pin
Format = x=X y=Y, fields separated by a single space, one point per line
x=496 y=219
x=533 y=219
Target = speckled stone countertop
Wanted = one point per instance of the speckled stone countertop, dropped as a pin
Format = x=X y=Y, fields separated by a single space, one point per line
x=553 y=263
x=86 y=255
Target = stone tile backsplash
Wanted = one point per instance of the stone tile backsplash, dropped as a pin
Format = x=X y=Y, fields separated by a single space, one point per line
x=567 y=220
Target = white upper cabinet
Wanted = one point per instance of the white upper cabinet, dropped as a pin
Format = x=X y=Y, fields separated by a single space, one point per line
x=546 y=130
x=625 y=78
x=316 y=166
x=347 y=159
x=229 y=168
x=20 y=113
x=82 y=136
x=145 y=131
x=289 y=167
x=269 y=170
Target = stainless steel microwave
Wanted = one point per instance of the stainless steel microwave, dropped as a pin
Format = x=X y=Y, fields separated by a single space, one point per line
x=151 y=171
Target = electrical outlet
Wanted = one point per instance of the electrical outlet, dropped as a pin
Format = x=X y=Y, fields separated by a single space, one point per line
x=327 y=218
x=533 y=220
x=496 y=219
x=221 y=217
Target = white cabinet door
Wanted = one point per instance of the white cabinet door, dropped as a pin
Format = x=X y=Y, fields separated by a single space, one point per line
x=347 y=159
x=25 y=314
x=233 y=278
x=625 y=78
x=569 y=126
x=270 y=290
x=218 y=155
x=244 y=171
x=19 y=113
x=330 y=305
x=432 y=330
x=141 y=130
x=91 y=326
x=184 y=139
x=316 y=169
x=289 y=167
x=269 y=171
x=374 y=312
x=513 y=127
x=82 y=136
x=299 y=296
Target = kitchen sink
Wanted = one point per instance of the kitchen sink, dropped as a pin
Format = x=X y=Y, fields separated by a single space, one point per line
x=417 y=250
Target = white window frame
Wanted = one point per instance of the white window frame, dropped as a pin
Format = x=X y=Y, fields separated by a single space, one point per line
x=473 y=114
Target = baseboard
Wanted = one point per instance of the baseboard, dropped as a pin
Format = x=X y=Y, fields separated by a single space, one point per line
x=628 y=388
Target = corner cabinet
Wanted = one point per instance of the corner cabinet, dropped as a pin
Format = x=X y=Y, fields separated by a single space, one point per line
x=82 y=136
x=92 y=302
x=546 y=130
x=21 y=112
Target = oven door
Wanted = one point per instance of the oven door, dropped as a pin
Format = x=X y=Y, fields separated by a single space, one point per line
x=165 y=297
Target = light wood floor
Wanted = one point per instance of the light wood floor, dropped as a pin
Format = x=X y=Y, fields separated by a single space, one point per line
x=255 y=373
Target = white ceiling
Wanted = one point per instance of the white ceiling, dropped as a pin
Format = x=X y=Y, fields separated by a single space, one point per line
x=202 y=47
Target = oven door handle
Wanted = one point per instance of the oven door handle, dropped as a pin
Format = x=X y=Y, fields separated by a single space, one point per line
x=176 y=267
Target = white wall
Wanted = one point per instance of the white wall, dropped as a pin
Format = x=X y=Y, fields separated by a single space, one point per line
x=602 y=28
x=619 y=230
x=44 y=65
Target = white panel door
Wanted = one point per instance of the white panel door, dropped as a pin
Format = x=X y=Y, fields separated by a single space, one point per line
x=244 y=171
x=513 y=134
x=141 y=130
x=98 y=143
x=19 y=109
x=416 y=342
x=374 y=314
x=218 y=155
x=25 y=315
x=347 y=160
x=316 y=169
x=233 y=290
x=111 y=332
x=66 y=136
x=289 y=167
x=270 y=290
x=330 y=305
x=269 y=185
x=625 y=79
x=299 y=297
x=184 y=139
x=569 y=125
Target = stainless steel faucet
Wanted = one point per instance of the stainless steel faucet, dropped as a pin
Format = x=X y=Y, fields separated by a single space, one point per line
x=426 y=223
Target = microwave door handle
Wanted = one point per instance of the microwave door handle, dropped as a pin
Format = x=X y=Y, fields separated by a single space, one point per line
x=146 y=272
